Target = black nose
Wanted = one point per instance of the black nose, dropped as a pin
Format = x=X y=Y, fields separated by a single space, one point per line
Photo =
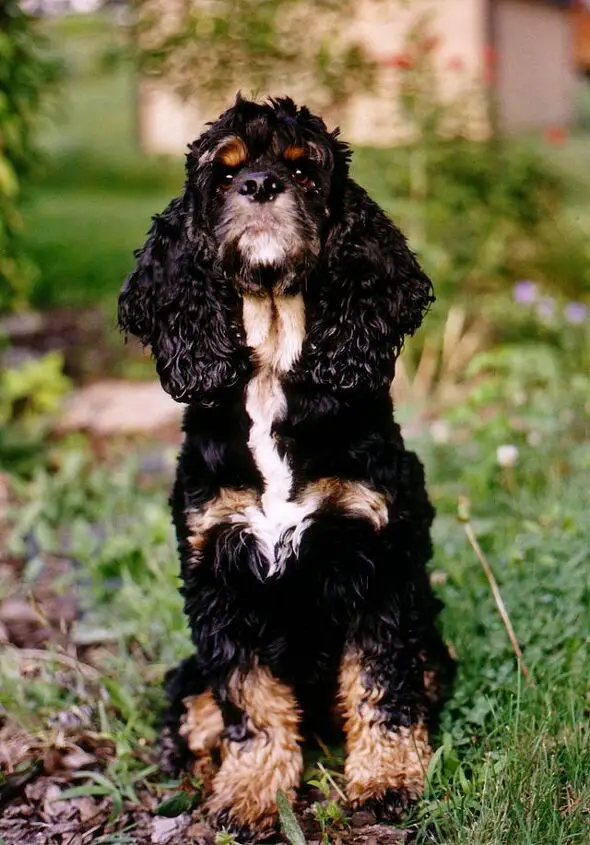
x=261 y=187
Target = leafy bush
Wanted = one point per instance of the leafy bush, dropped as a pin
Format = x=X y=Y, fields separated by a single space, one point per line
x=212 y=49
x=30 y=394
x=25 y=73
x=492 y=212
x=32 y=390
x=481 y=213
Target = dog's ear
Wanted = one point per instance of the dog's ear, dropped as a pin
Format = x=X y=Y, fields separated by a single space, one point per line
x=369 y=294
x=176 y=303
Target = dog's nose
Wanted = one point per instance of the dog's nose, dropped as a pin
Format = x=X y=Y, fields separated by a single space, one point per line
x=261 y=187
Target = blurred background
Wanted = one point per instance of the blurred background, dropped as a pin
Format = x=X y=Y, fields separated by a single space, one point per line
x=470 y=121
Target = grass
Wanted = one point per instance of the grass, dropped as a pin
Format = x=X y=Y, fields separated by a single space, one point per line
x=513 y=760
x=520 y=752
x=94 y=193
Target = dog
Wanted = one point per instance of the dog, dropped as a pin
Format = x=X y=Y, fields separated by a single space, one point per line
x=276 y=296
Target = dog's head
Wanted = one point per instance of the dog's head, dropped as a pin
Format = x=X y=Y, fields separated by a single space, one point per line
x=268 y=208
x=264 y=173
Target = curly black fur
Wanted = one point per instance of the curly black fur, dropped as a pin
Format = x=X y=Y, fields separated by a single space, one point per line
x=347 y=583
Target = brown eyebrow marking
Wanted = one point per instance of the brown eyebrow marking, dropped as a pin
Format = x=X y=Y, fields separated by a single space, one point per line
x=292 y=153
x=232 y=153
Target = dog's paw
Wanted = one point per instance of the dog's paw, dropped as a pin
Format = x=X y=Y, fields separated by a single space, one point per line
x=173 y=753
x=226 y=820
x=391 y=806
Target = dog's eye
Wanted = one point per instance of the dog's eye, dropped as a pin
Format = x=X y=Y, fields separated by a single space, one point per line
x=226 y=179
x=224 y=175
x=302 y=179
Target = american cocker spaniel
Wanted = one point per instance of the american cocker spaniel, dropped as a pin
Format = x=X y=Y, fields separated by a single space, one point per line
x=276 y=296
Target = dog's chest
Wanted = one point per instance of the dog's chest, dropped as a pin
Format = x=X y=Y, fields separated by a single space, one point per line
x=275 y=329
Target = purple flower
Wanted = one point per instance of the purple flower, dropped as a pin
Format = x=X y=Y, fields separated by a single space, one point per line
x=546 y=308
x=525 y=291
x=575 y=312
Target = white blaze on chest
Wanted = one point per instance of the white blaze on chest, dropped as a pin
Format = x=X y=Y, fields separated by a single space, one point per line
x=275 y=329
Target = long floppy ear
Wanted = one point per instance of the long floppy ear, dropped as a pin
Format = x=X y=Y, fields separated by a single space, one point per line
x=368 y=295
x=176 y=303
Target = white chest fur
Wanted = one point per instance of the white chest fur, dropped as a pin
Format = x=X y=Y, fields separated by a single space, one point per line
x=275 y=328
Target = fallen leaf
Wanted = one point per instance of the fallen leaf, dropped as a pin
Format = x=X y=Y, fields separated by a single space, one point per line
x=87 y=808
x=78 y=760
x=17 y=610
x=53 y=807
x=200 y=834
x=164 y=830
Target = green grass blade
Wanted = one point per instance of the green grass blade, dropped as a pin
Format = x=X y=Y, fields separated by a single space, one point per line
x=289 y=823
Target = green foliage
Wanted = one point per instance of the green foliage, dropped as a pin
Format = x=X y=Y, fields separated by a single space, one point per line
x=331 y=819
x=30 y=394
x=328 y=813
x=490 y=212
x=178 y=803
x=511 y=762
x=25 y=73
x=90 y=207
x=99 y=785
x=31 y=391
x=119 y=530
x=289 y=823
x=212 y=50
x=510 y=766
x=479 y=213
x=224 y=837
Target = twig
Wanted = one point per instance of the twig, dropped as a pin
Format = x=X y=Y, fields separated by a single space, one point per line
x=331 y=780
x=71 y=662
x=463 y=514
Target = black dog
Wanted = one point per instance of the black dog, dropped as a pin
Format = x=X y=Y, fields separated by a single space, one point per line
x=276 y=295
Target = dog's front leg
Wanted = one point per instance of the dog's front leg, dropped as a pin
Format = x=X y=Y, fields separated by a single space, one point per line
x=260 y=752
x=384 y=706
x=239 y=641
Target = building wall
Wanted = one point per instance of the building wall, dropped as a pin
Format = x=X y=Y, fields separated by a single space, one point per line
x=535 y=69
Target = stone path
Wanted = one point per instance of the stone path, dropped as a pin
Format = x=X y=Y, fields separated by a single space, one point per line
x=112 y=407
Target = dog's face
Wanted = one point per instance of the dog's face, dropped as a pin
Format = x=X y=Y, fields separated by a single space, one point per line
x=264 y=173
x=268 y=207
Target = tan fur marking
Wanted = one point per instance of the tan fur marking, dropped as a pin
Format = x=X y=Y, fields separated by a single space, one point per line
x=228 y=506
x=203 y=723
x=431 y=685
x=377 y=759
x=232 y=153
x=351 y=496
x=252 y=771
x=275 y=328
x=293 y=153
